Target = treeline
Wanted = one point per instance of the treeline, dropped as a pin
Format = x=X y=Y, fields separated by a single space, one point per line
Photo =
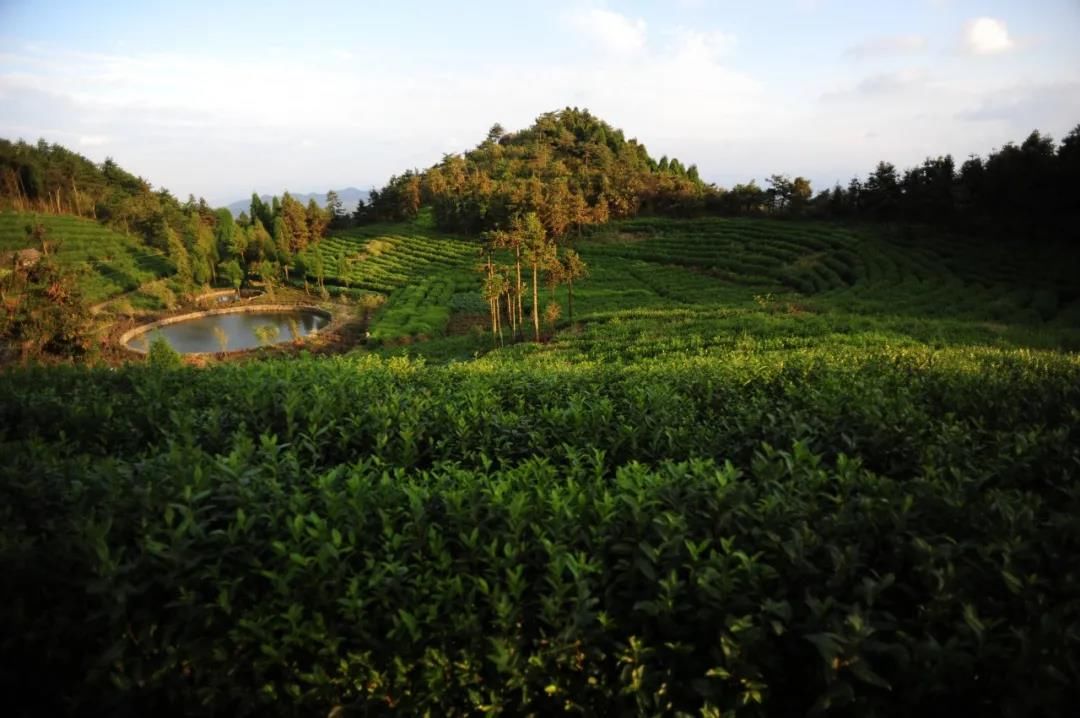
x=50 y=179
x=569 y=168
x=267 y=240
x=1026 y=190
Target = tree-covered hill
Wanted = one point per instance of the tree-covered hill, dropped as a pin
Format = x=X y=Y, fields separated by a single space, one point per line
x=51 y=179
x=570 y=168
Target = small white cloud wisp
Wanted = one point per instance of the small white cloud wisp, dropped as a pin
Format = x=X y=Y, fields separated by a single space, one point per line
x=987 y=36
x=888 y=46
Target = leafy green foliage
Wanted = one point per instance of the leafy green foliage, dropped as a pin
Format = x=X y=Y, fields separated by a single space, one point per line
x=162 y=355
x=42 y=310
x=569 y=167
x=523 y=534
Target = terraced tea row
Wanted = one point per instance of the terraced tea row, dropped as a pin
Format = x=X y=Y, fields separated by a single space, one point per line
x=419 y=272
x=864 y=271
x=114 y=262
x=383 y=262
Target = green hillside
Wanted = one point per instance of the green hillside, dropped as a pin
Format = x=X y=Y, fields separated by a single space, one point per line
x=111 y=263
x=662 y=285
x=867 y=271
x=419 y=271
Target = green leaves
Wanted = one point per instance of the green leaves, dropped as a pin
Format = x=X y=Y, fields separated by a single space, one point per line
x=680 y=536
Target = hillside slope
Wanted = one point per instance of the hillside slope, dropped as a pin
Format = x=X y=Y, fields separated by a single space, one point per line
x=110 y=263
x=661 y=285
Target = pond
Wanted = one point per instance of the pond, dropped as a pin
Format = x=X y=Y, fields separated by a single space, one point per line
x=233 y=331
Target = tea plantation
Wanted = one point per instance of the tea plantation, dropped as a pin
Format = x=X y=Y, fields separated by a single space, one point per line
x=420 y=272
x=111 y=263
x=771 y=469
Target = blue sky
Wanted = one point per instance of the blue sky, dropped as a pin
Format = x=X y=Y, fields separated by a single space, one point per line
x=219 y=99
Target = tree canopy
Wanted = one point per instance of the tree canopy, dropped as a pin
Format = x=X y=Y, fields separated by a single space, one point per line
x=569 y=168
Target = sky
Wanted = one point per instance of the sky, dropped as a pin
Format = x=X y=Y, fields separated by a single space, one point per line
x=219 y=99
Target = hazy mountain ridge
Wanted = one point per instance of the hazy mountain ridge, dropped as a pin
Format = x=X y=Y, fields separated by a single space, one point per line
x=349 y=197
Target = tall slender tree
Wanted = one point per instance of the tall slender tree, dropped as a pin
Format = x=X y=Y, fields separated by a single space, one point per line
x=538 y=253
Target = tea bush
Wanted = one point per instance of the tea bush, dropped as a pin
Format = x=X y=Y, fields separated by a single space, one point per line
x=878 y=532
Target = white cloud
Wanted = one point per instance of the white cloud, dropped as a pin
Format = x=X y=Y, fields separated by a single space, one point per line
x=882 y=85
x=156 y=108
x=184 y=123
x=614 y=32
x=987 y=36
x=707 y=46
x=888 y=45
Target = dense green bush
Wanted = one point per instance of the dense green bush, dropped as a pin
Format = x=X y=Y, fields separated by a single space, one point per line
x=526 y=536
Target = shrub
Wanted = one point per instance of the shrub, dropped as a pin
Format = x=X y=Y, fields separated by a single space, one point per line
x=162 y=355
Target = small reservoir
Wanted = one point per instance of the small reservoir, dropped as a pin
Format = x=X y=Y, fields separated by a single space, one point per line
x=225 y=330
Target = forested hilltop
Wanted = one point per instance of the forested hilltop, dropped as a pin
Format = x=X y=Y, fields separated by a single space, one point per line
x=573 y=169
x=569 y=167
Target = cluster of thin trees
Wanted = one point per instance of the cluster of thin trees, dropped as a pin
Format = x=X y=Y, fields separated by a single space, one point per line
x=272 y=237
x=526 y=244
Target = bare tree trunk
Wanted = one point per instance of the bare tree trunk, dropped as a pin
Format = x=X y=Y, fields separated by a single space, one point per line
x=20 y=192
x=520 y=310
x=536 y=302
x=510 y=313
x=570 y=298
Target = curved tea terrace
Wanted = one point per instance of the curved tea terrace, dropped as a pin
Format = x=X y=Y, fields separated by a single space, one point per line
x=229 y=329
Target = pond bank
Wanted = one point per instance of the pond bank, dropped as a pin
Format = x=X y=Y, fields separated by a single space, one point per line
x=125 y=339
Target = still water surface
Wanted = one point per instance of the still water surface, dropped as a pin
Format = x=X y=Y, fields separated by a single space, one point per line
x=199 y=335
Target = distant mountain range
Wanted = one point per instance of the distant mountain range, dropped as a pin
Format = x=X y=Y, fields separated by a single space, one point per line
x=348 y=197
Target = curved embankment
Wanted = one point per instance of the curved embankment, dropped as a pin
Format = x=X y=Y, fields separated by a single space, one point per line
x=130 y=334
